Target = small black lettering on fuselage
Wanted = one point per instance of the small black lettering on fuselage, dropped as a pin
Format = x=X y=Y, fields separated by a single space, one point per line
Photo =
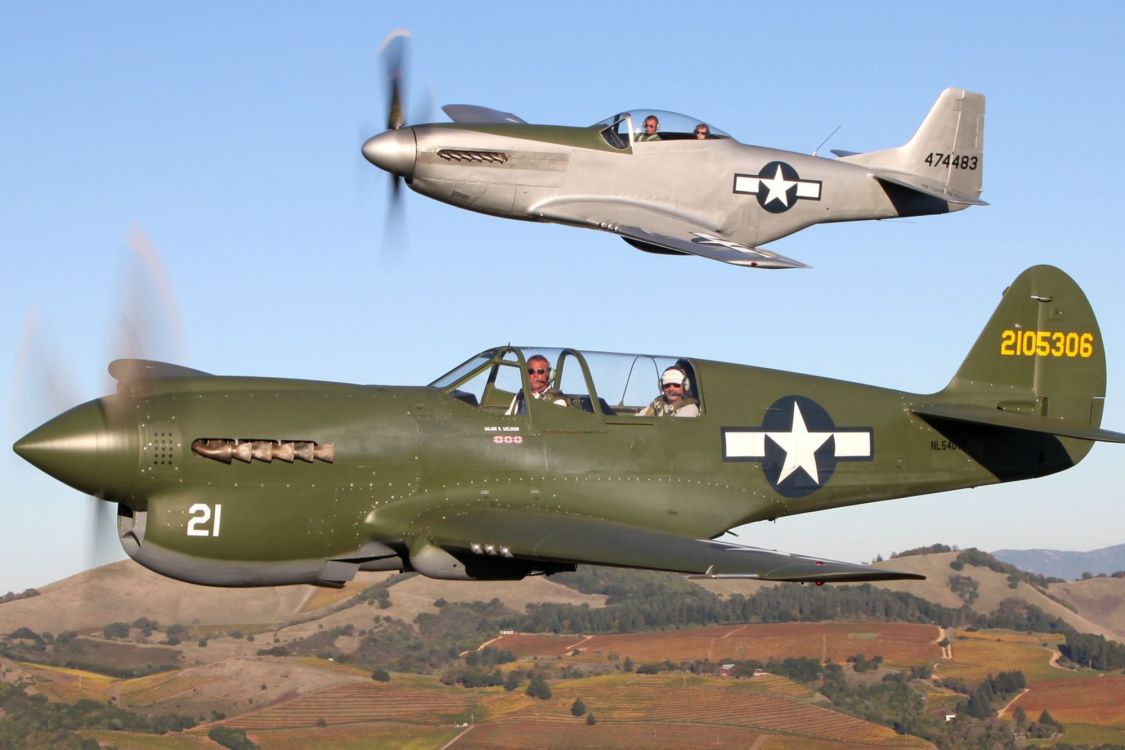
x=944 y=445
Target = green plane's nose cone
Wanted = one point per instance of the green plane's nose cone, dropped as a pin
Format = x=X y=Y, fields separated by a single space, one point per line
x=80 y=448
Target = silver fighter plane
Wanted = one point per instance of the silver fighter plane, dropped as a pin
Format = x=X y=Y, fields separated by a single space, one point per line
x=668 y=183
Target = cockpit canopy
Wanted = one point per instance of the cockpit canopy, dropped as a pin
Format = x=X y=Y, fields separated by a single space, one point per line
x=671 y=126
x=599 y=382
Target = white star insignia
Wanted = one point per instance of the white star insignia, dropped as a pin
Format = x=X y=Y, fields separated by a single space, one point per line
x=800 y=447
x=778 y=187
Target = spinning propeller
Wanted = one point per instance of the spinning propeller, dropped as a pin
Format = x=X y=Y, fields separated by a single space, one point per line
x=148 y=325
x=395 y=149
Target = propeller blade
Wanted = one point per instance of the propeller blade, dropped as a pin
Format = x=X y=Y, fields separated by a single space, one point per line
x=101 y=533
x=394 y=227
x=148 y=325
x=393 y=52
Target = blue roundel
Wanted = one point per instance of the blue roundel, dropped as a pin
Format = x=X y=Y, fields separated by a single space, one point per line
x=798 y=445
x=784 y=195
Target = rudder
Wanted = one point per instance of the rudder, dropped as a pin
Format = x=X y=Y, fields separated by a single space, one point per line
x=947 y=149
x=1040 y=353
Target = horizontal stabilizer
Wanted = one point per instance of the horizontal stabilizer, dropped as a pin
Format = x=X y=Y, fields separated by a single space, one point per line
x=841 y=152
x=130 y=370
x=925 y=186
x=1018 y=421
x=472 y=113
x=556 y=537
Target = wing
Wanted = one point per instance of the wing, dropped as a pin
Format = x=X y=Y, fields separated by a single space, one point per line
x=657 y=230
x=559 y=538
x=473 y=113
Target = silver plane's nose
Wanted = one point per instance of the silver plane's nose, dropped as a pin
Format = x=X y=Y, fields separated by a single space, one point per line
x=394 y=151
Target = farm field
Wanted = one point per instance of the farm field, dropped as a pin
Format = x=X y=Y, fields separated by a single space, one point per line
x=364 y=702
x=1094 y=699
x=1090 y=734
x=978 y=654
x=683 y=710
x=900 y=644
x=69 y=685
x=382 y=735
x=616 y=736
x=141 y=741
x=684 y=701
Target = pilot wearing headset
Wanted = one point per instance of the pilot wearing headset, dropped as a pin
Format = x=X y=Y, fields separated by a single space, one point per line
x=675 y=399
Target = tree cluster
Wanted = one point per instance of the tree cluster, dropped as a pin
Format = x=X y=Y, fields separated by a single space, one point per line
x=33 y=721
x=233 y=739
x=860 y=662
x=993 y=692
x=1093 y=651
x=965 y=587
x=975 y=557
x=70 y=651
x=933 y=549
x=12 y=596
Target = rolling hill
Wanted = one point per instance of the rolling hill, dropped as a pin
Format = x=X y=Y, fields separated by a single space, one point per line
x=292 y=665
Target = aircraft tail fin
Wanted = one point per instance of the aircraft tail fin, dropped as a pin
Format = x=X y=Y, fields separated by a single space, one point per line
x=945 y=158
x=1037 y=367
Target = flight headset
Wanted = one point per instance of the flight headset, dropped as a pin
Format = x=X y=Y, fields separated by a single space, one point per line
x=687 y=380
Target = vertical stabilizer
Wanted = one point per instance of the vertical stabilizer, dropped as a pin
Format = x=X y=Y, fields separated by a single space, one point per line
x=947 y=150
x=1040 y=353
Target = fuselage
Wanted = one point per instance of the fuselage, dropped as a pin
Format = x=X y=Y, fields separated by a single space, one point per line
x=379 y=460
x=741 y=193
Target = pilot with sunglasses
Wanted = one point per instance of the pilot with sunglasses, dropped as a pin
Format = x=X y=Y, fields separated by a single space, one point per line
x=539 y=377
x=675 y=399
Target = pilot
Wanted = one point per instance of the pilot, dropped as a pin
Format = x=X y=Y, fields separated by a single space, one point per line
x=539 y=376
x=675 y=399
x=652 y=124
x=702 y=132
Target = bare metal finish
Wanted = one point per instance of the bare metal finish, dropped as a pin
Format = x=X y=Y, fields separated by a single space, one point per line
x=688 y=188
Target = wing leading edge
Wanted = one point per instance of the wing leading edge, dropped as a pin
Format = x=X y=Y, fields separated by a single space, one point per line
x=549 y=537
x=655 y=230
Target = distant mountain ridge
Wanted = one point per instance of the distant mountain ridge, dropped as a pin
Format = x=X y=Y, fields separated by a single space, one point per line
x=1065 y=564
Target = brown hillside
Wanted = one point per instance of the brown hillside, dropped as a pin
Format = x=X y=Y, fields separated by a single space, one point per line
x=994 y=589
x=124 y=591
x=1099 y=599
x=233 y=686
x=418 y=594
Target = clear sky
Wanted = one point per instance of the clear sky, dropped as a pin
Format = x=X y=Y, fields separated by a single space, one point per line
x=231 y=134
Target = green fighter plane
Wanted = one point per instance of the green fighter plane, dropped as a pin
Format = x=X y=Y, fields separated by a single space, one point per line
x=530 y=460
x=672 y=184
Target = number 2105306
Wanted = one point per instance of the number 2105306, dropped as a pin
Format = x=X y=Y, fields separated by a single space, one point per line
x=1046 y=344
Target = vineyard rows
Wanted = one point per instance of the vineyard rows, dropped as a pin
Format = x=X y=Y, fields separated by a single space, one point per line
x=356 y=703
x=711 y=706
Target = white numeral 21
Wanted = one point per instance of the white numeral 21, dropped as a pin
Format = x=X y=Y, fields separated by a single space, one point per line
x=200 y=515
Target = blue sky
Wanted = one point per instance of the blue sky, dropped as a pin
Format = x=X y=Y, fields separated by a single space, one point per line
x=231 y=135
